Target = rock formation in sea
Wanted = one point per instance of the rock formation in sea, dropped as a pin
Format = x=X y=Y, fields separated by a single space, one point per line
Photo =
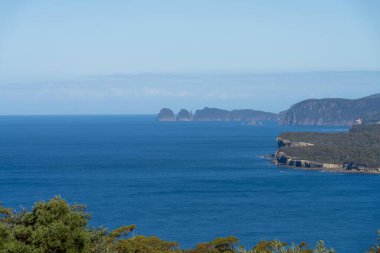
x=184 y=115
x=246 y=116
x=332 y=111
x=166 y=114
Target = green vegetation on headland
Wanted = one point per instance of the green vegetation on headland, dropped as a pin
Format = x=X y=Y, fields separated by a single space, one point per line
x=57 y=227
x=357 y=150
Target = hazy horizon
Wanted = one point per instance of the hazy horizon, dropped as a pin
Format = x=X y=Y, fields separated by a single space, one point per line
x=63 y=57
x=148 y=93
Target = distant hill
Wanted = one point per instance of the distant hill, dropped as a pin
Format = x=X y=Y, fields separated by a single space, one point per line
x=211 y=114
x=246 y=116
x=377 y=95
x=332 y=111
x=249 y=115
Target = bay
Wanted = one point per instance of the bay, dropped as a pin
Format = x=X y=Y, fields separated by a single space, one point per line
x=184 y=181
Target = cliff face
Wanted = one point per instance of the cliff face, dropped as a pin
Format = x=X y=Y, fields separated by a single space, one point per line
x=332 y=111
x=184 y=115
x=281 y=142
x=166 y=115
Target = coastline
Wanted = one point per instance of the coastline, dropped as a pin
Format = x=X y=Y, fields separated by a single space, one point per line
x=281 y=159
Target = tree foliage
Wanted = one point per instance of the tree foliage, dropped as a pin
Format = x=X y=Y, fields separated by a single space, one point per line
x=57 y=227
x=52 y=226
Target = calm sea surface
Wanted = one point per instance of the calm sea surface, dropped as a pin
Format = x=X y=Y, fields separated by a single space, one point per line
x=187 y=182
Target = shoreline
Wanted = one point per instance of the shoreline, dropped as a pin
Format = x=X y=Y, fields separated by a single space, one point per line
x=327 y=170
x=281 y=159
x=273 y=159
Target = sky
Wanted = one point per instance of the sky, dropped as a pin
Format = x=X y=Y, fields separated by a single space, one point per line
x=134 y=57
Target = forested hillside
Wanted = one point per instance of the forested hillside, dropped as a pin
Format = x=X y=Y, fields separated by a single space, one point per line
x=332 y=111
x=360 y=147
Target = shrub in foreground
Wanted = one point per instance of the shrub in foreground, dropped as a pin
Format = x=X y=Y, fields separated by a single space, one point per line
x=57 y=227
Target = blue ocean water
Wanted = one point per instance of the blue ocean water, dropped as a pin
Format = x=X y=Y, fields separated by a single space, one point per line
x=184 y=181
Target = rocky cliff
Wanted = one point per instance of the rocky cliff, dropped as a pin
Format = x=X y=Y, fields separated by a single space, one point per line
x=166 y=114
x=184 y=115
x=332 y=111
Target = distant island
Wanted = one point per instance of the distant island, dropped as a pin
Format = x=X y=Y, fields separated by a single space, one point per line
x=355 y=151
x=246 y=116
x=310 y=112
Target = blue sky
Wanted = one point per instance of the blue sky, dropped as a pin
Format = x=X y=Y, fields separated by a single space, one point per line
x=78 y=47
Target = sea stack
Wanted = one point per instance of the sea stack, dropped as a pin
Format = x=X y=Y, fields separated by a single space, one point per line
x=166 y=114
x=184 y=115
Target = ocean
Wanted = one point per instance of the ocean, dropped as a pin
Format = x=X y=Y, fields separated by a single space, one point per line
x=184 y=181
